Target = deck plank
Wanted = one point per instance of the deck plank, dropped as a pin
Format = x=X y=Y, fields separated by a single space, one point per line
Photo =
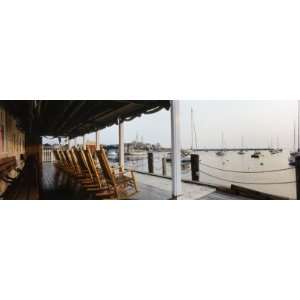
x=57 y=185
x=190 y=191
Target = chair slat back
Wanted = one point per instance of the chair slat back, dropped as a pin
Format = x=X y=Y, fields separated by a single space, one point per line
x=69 y=164
x=72 y=162
x=92 y=164
x=82 y=155
x=106 y=169
x=76 y=162
x=62 y=158
x=56 y=156
x=80 y=162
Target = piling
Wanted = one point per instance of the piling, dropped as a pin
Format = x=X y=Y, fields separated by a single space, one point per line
x=150 y=162
x=195 y=167
x=297 y=159
x=164 y=166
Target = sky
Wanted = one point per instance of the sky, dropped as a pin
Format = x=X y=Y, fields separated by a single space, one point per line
x=258 y=122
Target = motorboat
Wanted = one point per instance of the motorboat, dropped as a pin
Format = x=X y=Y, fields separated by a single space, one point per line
x=220 y=153
x=112 y=154
x=256 y=154
x=137 y=153
x=184 y=158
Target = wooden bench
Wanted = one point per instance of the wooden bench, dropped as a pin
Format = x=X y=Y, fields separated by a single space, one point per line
x=7 y=164
x=26 y=185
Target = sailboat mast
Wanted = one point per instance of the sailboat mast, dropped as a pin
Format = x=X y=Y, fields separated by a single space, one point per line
x=222 y=141
x=294 y=148
x=298 y=128
x=192 y=131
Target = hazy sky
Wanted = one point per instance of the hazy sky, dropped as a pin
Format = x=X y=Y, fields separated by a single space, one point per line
x=257 y=121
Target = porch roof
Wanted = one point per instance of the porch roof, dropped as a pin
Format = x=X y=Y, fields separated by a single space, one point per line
x=76 y=117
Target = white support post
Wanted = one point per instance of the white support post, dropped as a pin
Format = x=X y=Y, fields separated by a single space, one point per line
x=98 y=140
x=176 y=150
x=75 y=142
x=84 y=142
x=69 y=143
x=121 y=145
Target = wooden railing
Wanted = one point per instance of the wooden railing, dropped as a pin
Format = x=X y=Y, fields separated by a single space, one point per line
x=48 y=155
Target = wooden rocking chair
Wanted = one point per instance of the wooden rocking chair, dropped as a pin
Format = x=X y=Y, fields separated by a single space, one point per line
x=119 y=184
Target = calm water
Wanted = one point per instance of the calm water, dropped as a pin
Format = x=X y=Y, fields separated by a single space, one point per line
x=233 y=161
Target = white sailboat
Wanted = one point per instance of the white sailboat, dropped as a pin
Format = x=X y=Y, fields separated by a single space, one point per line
x=194 y=136
x=186 y=154
x=278 y=146
x=272 y=150
x=294 y=153
x=221 y=152
x=242 y=152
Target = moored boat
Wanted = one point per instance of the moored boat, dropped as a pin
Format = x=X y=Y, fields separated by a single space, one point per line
x=242 y=152
x=112 y=154
x=292 y=158
x=220 y=153
x=184 y=158
x=256 y=154
x=137 y=153
x=294 y=153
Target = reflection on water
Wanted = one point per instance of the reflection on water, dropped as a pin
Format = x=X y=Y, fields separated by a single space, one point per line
x=233 y=161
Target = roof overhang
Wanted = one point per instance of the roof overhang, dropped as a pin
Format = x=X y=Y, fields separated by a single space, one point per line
x=76 y=117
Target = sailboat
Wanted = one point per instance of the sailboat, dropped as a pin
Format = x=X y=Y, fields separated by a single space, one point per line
x=221 y=152
x=241 y=152
x=272 y=149
x=186 y=154
x=294 y=153
x=194 y=136
x=278 y=147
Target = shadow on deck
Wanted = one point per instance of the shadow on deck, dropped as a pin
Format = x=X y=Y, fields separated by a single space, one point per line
x=58 y=185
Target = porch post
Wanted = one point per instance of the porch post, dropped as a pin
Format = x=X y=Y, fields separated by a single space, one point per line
x=98 y=140
x=69 y=143
x=121 y=145
x=84 y=142
x=176 y=150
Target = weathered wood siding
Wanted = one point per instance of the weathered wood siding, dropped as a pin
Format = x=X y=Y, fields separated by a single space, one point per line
x=12 y=142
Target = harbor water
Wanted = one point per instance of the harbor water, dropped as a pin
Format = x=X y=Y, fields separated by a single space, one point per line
x=217 y=170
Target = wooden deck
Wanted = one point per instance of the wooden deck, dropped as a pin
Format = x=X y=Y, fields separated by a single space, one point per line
x=58 y=185
x=149 y=183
